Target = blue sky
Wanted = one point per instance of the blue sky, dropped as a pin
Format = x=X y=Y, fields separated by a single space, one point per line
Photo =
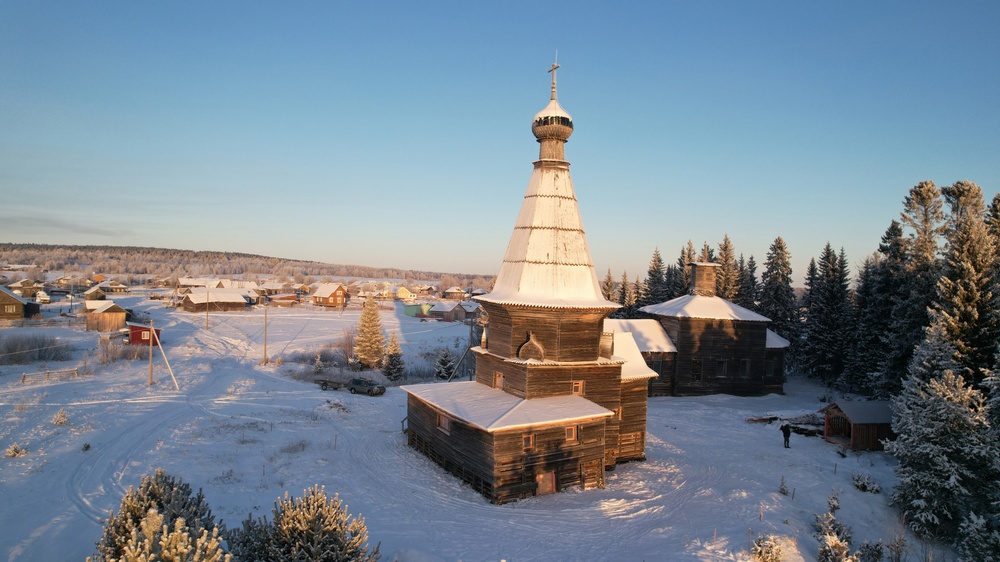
x=397 y=134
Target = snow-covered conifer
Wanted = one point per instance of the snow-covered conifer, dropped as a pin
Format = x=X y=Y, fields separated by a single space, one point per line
x=777 y=299
x=749 y=289
x=829 y=317
x=978 y=539
x=766 y=549
x=948 y=460
x=444 y=366
x=393 y=367
x=170 y=497
x=923 y=216
x=608 y=286
x=686 y=257
x=966 y=296
x=369 y=343
x=654 y=289
x=316 y=528
x=154 y=539
x=727 y=279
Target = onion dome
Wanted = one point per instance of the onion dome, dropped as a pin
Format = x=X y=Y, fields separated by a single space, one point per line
x=552 y=122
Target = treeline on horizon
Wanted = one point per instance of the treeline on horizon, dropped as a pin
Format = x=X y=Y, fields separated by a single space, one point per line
x=136 y=264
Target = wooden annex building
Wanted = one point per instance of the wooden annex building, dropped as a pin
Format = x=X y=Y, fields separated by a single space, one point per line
x=556 y=400
x=861 y=426
x=108 y=317
x=721 y=347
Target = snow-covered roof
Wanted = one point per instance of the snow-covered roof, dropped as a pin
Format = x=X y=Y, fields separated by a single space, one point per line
x=873 y=411
x=491 y=409
x=648 y=334
x=107 y=306
x=548 y=262
x=774 y=341
x=445 y=306
x=326 y=289
x=94 y=305
x=698 y=306
x=635 y=366
x=202 y=295
x=10 y=294
x=93 y=290
x=470 y=306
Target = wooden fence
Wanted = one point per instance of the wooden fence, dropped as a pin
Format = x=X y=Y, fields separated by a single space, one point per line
x=48 y=375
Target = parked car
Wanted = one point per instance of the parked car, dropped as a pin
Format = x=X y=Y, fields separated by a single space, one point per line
x=366 y=386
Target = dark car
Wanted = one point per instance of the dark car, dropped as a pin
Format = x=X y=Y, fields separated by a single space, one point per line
x=366 y=386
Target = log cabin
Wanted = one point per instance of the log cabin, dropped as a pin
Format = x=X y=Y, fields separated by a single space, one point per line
x=13 y=307
x=556 y=400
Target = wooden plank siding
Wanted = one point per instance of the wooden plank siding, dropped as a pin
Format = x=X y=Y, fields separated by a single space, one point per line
x=564 y=335
x=708 y=341
x=498 y=465
x=632 y=428
x=105 y=321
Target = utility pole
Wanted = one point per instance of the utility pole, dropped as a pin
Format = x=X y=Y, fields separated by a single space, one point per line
x=208 y=299
x=151 y=332
x=265 y=334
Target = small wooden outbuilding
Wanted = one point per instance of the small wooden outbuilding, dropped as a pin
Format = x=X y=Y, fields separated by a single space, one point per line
x=858 y=425
x=215 y=300
x=108 y=317
x=138 y=334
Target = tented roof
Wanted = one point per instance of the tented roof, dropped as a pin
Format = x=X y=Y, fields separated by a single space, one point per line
x=698 y=306
x=548 y=262
x=491 y=409
x=649 y=334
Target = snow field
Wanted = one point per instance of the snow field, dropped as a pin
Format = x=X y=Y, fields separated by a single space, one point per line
x=247 y=433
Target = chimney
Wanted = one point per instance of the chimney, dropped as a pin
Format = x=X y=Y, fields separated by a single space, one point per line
x=703 y=278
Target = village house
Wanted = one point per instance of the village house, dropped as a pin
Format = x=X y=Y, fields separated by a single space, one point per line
x=26 y=288
x=13 y=307
x=331 y=294
x=721 y=346
x=454 y=294
x=556 y=401
x=448 y=311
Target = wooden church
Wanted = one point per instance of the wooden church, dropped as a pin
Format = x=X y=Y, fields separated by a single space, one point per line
x=557 y=401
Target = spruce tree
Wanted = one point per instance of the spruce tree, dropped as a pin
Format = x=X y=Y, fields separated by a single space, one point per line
x=393 y=367
x=444 y=366
x=608 y=286
x=828 y=318
x=777 y=298
x=948 y=465
x=871 y=314
x=707 y=253
x=966 y=296
x=673 y=282
x=316 y=528
x=170 y=498
x=687 y=257
x=923 y=216
x=654 y=290
x=749 y=290
x=369 y=343
x=727 y=278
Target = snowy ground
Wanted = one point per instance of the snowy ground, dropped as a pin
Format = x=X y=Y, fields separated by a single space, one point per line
x=246 y=433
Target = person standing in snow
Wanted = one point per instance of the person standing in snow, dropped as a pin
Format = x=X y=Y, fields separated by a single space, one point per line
x=786 y=430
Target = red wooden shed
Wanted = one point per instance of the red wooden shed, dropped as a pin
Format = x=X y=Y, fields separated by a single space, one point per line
x=138 y=334
x=858 y=425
